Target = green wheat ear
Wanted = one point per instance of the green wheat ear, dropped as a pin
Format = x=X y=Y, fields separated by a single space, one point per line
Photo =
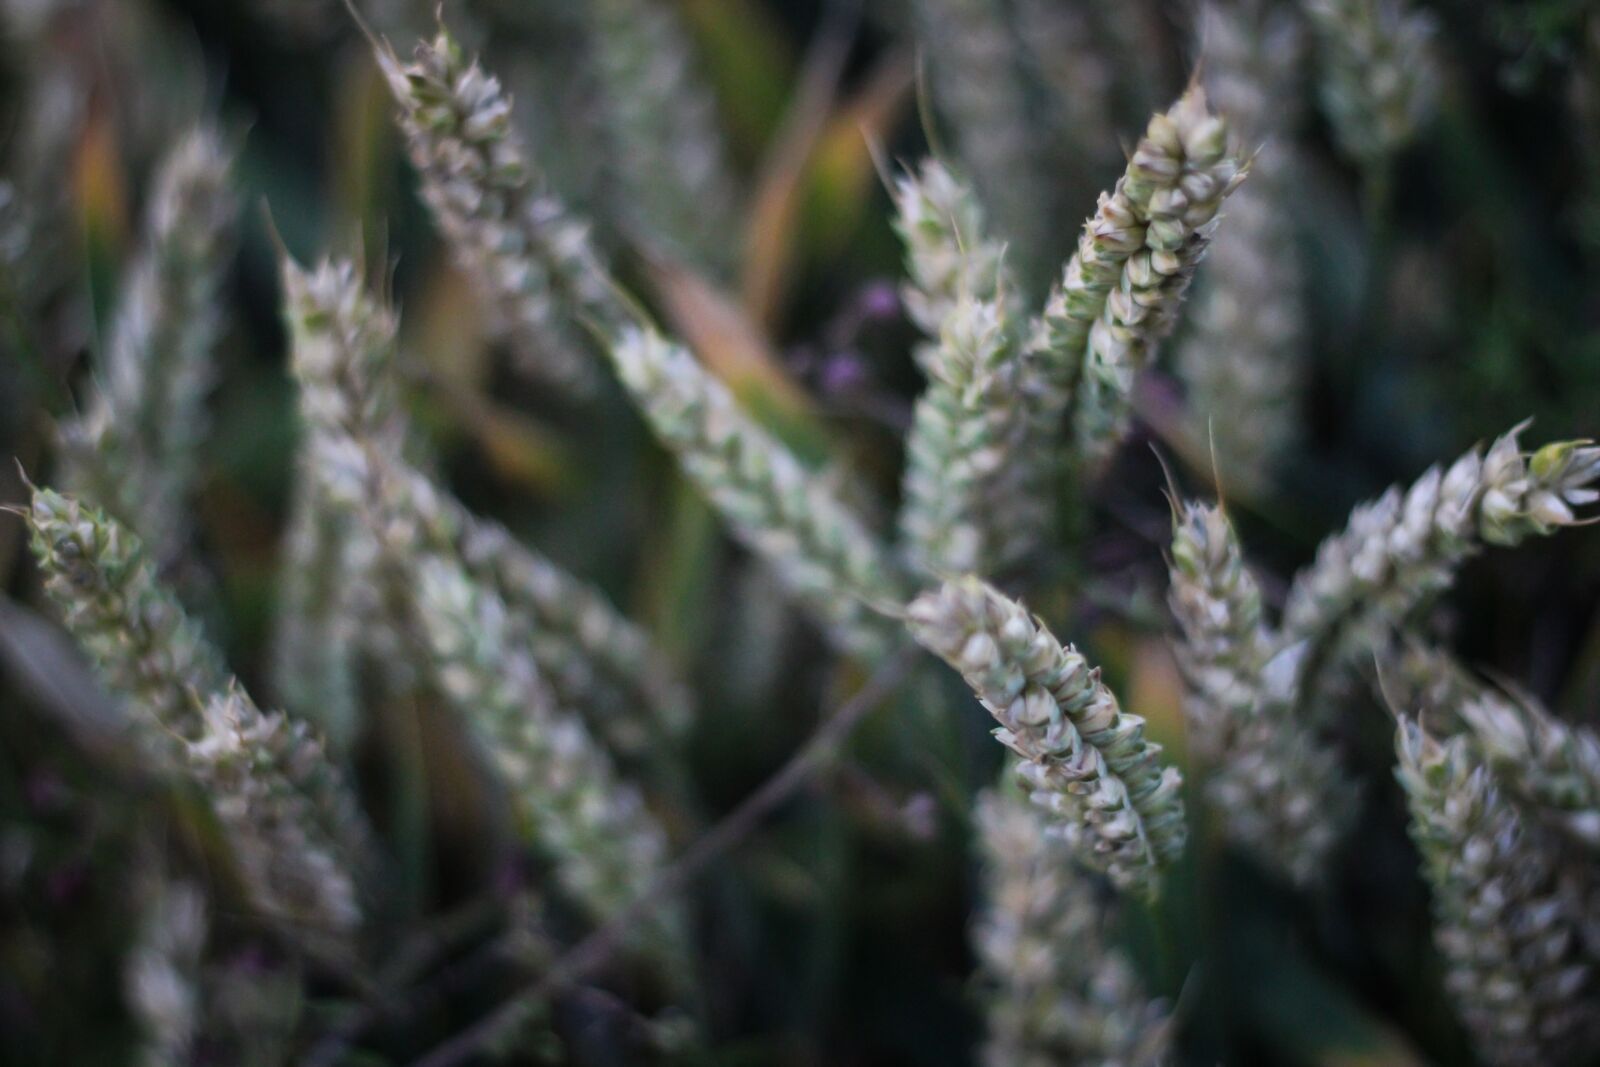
x=1378 y=69
x=1243 y=351
x=292 y=826
x=674 y=183
x=970 y=499
x=820 y=549
x=136 y=448
x=1083 y=758
x=1509 y=926
x=1277 y=788
x=530 y=260
x=1056 y=987
x=1405 y=548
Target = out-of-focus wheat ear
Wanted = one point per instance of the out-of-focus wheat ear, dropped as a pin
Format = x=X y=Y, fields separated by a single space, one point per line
x=595 y=660
x=790 y=517
x=1054 y=985
x=188 y=709
x=979 y=89
x=1379 y=72
x=591 y=823
x=674 y=186
x=264 y=780
x=161 y=973
x=530 y=259
x=1404 y=548
x=1068 y=57
x=1548 y=764
x=342 y=357
x=1507 y=925
x=1082 y=757
x=603 y=841
x=136 y=446
x=1242 y=355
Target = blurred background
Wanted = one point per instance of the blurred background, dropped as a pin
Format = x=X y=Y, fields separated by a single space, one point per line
x=1449 y=290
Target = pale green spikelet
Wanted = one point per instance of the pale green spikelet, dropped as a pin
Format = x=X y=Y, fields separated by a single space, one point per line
x=1083 y=758
x=266 y=778
x=950 y=254
x=965 y=445
x=1379 y=75
x=1404 y=548
x=1553 y=765
x=1175 y=185
x=824 y=553
x=1057 y=989
x=1277 y=788
x=1508 y=928
x=1242 y=354
x=531 y=260
x=136 y=448
x=1225 y=640
x=675 y=185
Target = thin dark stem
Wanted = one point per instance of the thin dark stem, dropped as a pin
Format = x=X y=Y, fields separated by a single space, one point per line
x=416 y=958
x=594 y=950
